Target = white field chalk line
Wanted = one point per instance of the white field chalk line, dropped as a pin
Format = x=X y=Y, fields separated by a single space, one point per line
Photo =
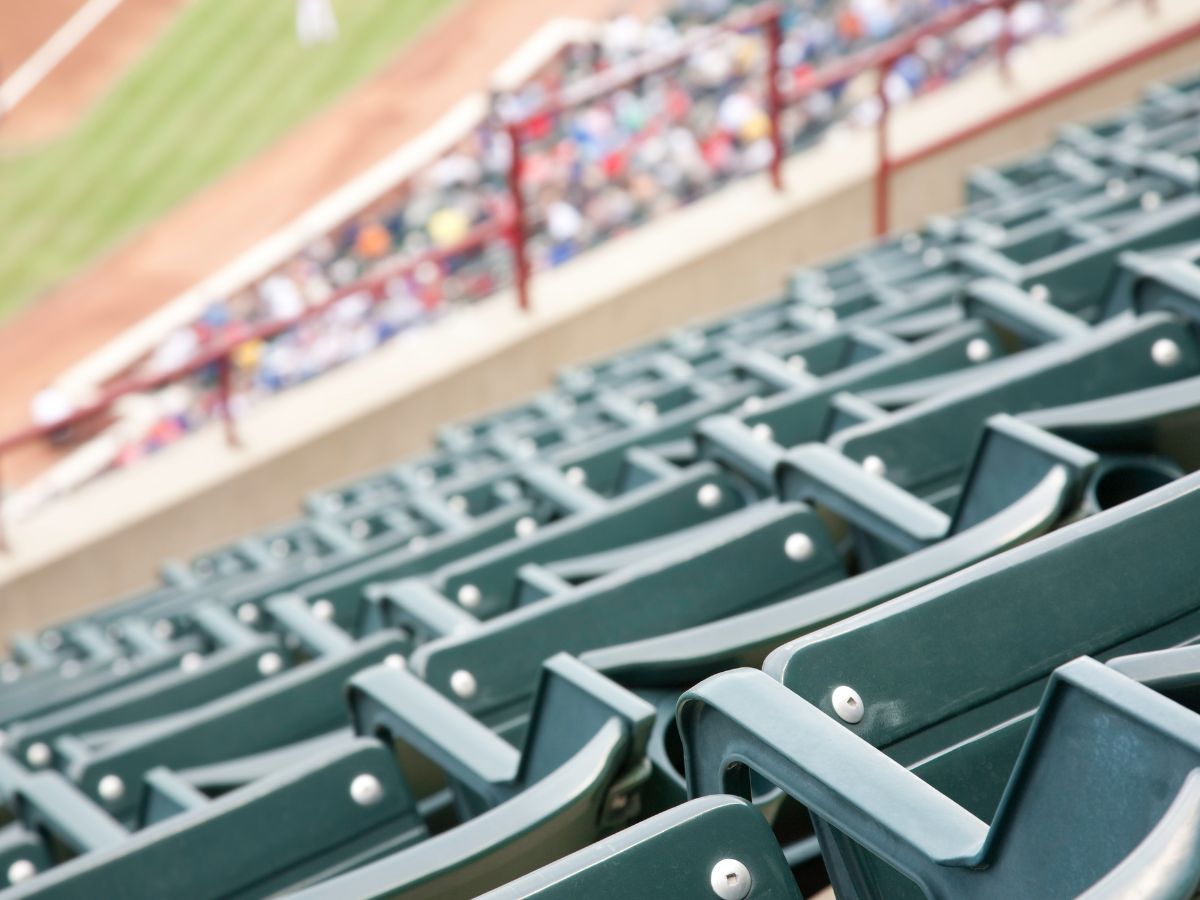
x=55 y=50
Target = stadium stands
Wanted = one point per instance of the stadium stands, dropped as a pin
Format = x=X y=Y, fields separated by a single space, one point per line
x=599 y=167
x=901 y=559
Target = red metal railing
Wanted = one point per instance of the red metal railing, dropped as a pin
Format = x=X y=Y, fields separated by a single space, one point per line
x=220 y=352
x=884 y=56
x=765 y=16
x=880 y=59
x=511 y=226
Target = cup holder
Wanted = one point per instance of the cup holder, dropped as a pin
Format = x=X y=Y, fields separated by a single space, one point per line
x=1118 y=479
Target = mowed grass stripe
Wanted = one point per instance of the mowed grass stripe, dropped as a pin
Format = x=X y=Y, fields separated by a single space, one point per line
x=212 y=150
x=114 y=163
x=55 y=222
x=127 y=109
x=152 y=162
x=291 y=87
x=176 y=152
x=226 y=81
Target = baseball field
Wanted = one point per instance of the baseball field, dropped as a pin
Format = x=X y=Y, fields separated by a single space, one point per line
x=226 y=80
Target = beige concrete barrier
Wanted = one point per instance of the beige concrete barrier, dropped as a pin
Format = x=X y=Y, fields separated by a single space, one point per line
x=730 y=249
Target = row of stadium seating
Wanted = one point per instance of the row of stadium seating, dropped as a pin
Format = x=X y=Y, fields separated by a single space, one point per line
x=887 y=583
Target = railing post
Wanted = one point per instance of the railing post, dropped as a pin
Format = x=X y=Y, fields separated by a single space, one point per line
x=225 y=395
x=774 y=35
x=883 y=169
x=516 y=230
x=1004 y=43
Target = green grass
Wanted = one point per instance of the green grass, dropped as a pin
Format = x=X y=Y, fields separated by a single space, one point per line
x=224 y=82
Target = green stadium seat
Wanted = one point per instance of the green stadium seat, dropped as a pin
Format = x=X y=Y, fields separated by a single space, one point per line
x=915 y=488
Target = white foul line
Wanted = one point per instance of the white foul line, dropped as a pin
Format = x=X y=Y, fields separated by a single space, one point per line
x=54 y=51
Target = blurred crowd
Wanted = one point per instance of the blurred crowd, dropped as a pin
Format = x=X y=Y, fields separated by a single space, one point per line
x=589 y=174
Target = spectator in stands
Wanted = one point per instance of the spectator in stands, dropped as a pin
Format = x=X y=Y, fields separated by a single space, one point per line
x=316 y=22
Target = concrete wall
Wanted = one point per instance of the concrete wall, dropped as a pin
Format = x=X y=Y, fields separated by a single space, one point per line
x=730 y=249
